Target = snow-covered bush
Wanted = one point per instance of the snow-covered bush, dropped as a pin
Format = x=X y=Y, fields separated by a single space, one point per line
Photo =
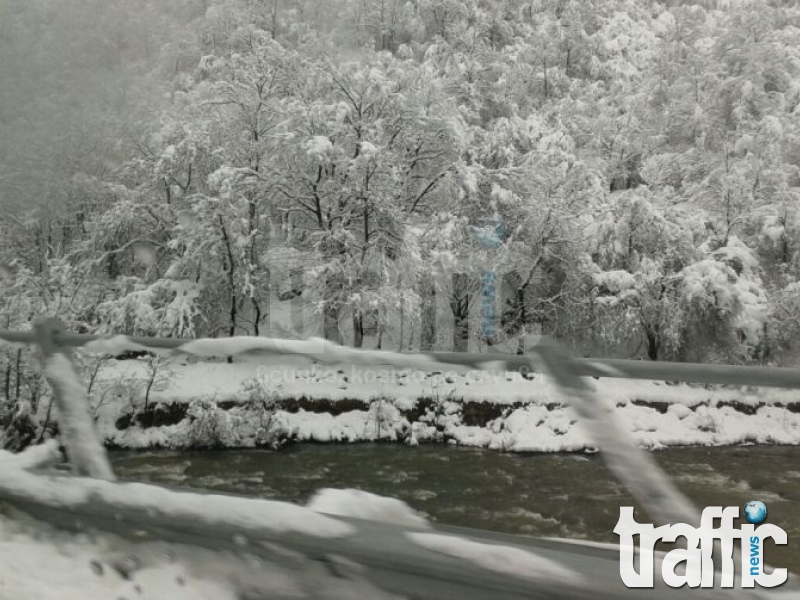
x=208 y=425
x=784 y=317
x=22 y=429
x=248 y=424
x=388 y=421
x=263 y=397
x=164 y=308
x=130 y=389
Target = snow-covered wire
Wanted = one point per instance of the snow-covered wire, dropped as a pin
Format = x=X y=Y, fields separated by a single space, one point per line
x=327 y=352
x=633 y=467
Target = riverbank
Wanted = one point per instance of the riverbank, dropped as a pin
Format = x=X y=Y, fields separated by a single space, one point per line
x=248 y=405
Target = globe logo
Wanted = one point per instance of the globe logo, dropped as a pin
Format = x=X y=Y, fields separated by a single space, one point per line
x=755 y=512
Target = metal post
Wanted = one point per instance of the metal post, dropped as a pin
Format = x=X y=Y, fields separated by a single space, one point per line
x=631 y=465
x=75 y=423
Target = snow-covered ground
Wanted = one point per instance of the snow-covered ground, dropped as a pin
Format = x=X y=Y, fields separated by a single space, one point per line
x=505 y=411
x=41 y=564
x=365 y=505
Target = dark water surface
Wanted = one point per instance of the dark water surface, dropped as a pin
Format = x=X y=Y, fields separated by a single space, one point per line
x=563 y=495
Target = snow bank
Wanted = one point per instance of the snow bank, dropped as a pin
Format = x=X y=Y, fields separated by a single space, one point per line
x=42 y=563
x=520 y=415
x=32 y=457
x=533 y=428
x=539 y=429
x=251 y=514
x=364 y=505
x=507 y=560
x=223 y=382
x=62 y=567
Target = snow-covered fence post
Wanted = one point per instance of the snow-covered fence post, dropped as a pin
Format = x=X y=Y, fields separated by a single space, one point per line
x=75 y=423
x=631 y=465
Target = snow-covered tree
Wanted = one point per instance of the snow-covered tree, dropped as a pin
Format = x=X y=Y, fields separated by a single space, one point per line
x=360 y=161
x=186 y=156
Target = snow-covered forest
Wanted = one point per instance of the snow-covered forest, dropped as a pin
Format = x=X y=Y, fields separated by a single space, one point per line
x=278 y=167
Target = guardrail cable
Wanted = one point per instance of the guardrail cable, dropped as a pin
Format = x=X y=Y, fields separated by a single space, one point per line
x=632 y=466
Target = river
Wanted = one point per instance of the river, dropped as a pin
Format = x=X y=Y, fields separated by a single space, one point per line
x=563 y=495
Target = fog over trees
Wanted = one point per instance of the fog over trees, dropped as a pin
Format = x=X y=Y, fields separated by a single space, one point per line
x=208 y=167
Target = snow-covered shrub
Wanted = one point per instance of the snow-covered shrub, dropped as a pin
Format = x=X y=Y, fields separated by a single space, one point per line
x=389 y=422
x=444 y=413
x=784 y=317
x=164 y=308
x=263 y=397
x=132 y=390
x=260 y=390
x=22 y=429
x=208 y=426
x=123 y=390
x=247 y=424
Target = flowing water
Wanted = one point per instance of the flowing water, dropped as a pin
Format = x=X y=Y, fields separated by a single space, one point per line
x=563 y=495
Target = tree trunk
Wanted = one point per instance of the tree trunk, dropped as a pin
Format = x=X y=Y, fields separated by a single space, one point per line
x=546 y=81
x=231 y=279
x=330 y=312
x=256 y=316
x=18 y=381
x=460 y=305
x=358 y=329
x=331 y=324
x=153 y=367
x=233 y=314
x=296 y=306
x=519 y=298
x=427 y=340
x=112 y=267
x=7 y=389
x=785 y=246
x=402 y=325
x=653 y=343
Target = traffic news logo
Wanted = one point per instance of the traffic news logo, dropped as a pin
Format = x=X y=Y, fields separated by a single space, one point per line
x=699 y=569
